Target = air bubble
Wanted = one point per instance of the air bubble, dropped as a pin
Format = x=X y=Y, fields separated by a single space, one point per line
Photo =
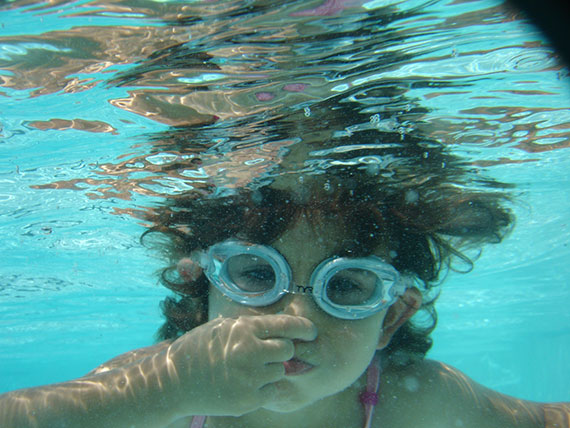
x=257 y=197
x=412 y=197
x=372 y=169
x=411 y=383
x=254 y=161
x=161 y=158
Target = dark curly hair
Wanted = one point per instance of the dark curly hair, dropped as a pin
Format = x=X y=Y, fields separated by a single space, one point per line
x=427 y=214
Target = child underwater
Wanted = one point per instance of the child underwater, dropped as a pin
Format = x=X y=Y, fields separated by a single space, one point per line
x=295 y=303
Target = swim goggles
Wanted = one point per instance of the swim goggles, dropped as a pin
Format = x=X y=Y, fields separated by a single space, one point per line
x=258 y=275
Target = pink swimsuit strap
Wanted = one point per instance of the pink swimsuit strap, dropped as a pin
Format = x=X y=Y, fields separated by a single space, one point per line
x=198 y=421
x=368 y=397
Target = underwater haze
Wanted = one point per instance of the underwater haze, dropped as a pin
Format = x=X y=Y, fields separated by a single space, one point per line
x=109 y=107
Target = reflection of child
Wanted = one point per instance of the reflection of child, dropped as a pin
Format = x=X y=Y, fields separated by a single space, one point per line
x=293 y=310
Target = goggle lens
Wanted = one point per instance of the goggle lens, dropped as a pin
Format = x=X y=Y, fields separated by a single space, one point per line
x=351 y=287
x=250 y=273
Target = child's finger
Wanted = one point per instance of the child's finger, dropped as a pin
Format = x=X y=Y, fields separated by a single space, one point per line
x=285 y=326
x=268 y=393
x=277 y=350
x=273 y=372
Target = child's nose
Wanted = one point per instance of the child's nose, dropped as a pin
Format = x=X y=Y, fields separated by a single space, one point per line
x=298 y=304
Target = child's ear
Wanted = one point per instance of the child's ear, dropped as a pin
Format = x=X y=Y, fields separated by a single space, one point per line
x=400 y=312
x=189 y=269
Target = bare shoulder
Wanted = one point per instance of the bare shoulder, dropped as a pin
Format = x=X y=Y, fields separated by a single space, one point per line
x=433 y=394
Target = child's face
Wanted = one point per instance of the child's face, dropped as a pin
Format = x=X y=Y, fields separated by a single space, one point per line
x=343 y=348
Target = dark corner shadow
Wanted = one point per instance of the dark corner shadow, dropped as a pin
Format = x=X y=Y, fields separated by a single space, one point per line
x=552 y=18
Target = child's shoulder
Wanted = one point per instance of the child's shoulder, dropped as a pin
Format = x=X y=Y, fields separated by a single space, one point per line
x=429 y=393
x=422 y=383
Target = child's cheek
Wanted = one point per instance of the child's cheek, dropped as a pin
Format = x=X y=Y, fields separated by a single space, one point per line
x=348 y=336
x=218 y=305
x=222 y=306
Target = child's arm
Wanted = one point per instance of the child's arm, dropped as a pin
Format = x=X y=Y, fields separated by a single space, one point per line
x=224 y=367
x=129 y=357
x=556 y=415
x=113 y=395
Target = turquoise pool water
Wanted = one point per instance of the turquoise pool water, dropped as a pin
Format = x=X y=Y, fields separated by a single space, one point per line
x=96 y=97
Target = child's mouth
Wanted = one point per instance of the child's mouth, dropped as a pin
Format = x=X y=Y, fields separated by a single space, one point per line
x=295 y=367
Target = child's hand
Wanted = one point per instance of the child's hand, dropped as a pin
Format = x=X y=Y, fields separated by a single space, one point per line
x=230 y=366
